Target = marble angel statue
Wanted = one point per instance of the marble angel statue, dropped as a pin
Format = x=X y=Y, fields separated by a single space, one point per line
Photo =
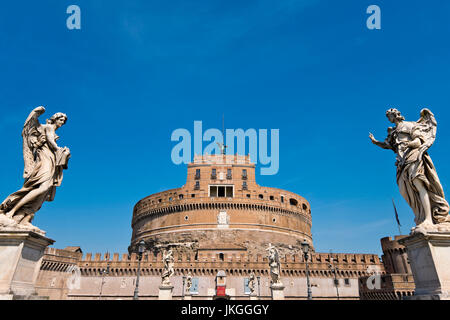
x=168 y=267
x=274 y=264
x=252 y=283
x=188 y=282
x=416 y=175
x=44 y=163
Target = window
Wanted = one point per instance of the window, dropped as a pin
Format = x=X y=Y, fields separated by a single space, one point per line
x=186 y=218
x=221 y=257
x=336 y=282
x=248 y=195
x=180 y=196
x=213 y=174
x=305 y=207
x=194 y=286
x=229 y=174
x=282 y=199
x=244 y=185
x=272 y=198
x=246 y=287
x=244 y=174
x=221 y=191
x=347 y=281
x=260 y=196
x=192 y=195
x=197 y=173
x=293 y=202
x=197 y=185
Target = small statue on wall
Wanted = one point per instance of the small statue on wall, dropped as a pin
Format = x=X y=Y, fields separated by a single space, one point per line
x=188 y=282
x=44 y=164
x=168 y=267
x=416 y=175
x=252 y=283
x=274 y=264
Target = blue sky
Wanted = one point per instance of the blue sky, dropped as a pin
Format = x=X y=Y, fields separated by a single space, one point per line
x=137 y=70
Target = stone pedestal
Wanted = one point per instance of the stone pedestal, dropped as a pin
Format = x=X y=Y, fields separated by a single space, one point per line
x=253 y=296
x=165 y=292
x=187 y=296
x=429 y=256
x=21 y=255
x=277 y=290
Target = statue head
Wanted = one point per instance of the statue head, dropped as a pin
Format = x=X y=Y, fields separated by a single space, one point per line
x=58 y=119
x=394 y=115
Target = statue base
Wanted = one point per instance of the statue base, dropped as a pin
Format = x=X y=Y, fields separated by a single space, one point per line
x=253 y=296
x=21 y=254
x=10 y=224
x=277 y=290
x=429 y=256
x=187 y=297
x=165 y=292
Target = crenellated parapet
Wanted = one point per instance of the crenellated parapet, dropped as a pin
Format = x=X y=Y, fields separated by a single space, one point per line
x=395 y=257
x=60 y=260
x=349 y=265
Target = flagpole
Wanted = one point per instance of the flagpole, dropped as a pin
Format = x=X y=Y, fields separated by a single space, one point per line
x=396 y=218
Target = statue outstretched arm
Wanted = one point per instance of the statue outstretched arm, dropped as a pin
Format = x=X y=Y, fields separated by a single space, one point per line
x=384 y=145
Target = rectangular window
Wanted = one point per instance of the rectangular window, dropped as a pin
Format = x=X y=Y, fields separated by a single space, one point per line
x=229 y=174
x=347 y=281
x=246 y=287
x=244 y=185
x=197 y=185
x=229 y=192
x=244 y=174
x=221 y=191
x=282 y=199
x=194 y=287
x=197 y=173
x=213 y=191
x=213 y=174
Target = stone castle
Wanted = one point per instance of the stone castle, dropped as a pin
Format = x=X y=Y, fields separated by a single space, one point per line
x=222 y=220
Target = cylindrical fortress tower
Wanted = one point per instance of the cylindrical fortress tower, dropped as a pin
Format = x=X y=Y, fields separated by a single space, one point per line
x=395 y=257
x=222 y=206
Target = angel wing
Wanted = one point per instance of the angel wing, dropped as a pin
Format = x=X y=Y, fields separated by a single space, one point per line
x=30 y=135
x=426 y=129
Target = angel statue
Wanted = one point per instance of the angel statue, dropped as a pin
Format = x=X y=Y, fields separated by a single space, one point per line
x=416 y=175
x=168 y=267
x=252 y=283
x=274 y=264
x=44 y=163
x=188 y=282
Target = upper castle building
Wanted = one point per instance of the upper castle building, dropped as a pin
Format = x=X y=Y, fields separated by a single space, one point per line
x=222 y=208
